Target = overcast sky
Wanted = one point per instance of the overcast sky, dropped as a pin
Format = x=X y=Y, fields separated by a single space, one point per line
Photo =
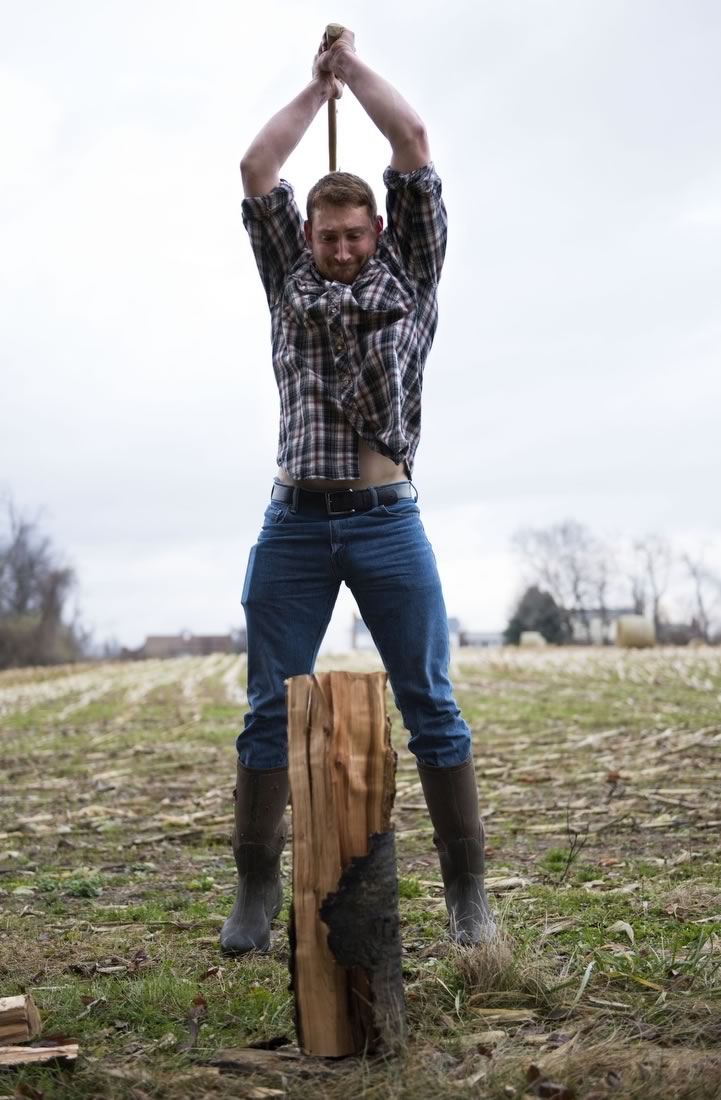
x=576 y=368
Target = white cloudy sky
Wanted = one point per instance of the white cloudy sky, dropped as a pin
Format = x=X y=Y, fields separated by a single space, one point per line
x=576 y=368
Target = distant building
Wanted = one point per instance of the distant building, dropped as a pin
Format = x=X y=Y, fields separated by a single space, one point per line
x=192 y=645
x=480 y=638
x=596 y=626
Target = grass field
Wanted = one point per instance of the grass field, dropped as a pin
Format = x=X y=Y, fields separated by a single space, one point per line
x=600 y=781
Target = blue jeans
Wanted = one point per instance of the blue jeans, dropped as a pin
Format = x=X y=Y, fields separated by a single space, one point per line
x=294 y=574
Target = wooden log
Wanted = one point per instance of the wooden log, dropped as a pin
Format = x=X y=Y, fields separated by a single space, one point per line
x=25 y=1056
x=635 y=632
x=348 y=989
x=19 y=1019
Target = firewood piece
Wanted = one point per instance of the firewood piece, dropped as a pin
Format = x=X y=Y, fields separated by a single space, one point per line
x=25 y=1056
x=342 y=773
x=19 y=1019
x=320 y=986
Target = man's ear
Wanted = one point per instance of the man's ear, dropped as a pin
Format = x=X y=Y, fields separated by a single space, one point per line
x=379 y=225
x=308 y=231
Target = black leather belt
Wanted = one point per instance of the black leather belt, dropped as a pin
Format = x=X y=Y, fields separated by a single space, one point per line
x=341 y=502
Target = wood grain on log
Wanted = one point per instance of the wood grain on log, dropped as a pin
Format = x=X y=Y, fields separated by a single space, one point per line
x=25 y=1056
x=19 y=1019
x=341 y=772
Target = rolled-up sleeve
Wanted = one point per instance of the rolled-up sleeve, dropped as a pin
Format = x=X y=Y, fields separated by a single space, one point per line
x=275 y=227
x=417 y=220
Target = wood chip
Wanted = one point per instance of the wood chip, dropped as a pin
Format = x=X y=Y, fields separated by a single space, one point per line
x=622 y=926
x=483 y=1039
x=500 y=885
x=505 y=1015
x=559 y=926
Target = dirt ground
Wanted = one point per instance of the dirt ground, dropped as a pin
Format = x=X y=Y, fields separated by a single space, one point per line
x=600 y=780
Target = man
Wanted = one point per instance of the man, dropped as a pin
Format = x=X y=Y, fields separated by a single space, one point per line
x=353 y=311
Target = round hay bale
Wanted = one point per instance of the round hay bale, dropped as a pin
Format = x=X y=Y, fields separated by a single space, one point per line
x=532 y=638
x=635 y=632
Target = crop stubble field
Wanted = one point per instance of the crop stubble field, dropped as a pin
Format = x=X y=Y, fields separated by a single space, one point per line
x=600 y=780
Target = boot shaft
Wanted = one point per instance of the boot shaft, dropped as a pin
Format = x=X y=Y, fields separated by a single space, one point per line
x=259 y=836
x=261 y=797
x=452 y=798
x=451 y=795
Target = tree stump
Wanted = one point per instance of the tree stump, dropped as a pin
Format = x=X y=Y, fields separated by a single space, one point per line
x=345 y=930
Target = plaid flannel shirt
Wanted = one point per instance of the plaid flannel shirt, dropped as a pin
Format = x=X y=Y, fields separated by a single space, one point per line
x=349 y=359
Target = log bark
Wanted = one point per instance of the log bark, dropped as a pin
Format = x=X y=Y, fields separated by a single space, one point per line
x=19 y=1019
x=348 y=996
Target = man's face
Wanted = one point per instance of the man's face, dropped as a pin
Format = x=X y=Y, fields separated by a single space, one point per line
x=342 y=239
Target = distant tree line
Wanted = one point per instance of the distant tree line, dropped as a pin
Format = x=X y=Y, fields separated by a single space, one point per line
x=35 y=586
x=573 y=576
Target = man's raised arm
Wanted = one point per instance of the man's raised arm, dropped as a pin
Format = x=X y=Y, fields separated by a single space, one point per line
x=269 y=150
x=386 y=107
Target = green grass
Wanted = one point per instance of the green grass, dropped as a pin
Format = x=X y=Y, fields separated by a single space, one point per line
x=607 y=976
x=409 y=887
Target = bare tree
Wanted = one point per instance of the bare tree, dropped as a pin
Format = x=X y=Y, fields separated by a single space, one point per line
x=34 y=587
x=652 y=574
x=603 y=581
x=706 y=591
x=637 y=582
x=567 y=561
x=634 y=570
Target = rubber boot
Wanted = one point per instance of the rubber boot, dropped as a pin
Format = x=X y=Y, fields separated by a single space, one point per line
x=259 y=836
x=452 y=799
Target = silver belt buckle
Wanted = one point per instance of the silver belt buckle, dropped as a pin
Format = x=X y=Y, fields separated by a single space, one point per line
x=329 y=506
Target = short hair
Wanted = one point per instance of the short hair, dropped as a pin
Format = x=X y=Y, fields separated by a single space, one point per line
x=341 y=189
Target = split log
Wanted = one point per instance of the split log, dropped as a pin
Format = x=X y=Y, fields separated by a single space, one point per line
x=26 y=1056
x=19 y=1019
x=345 y=930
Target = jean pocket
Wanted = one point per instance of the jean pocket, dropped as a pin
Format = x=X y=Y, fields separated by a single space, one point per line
x=401 y=509
x=248 y=576
x=274 y=514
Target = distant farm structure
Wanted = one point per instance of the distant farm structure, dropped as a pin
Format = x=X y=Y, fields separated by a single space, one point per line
x=361 y=635
x=185 y=644
x=481 y=639
x=595 y=626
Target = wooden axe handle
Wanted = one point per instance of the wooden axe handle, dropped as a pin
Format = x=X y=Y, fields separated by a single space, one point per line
x=332 y=32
